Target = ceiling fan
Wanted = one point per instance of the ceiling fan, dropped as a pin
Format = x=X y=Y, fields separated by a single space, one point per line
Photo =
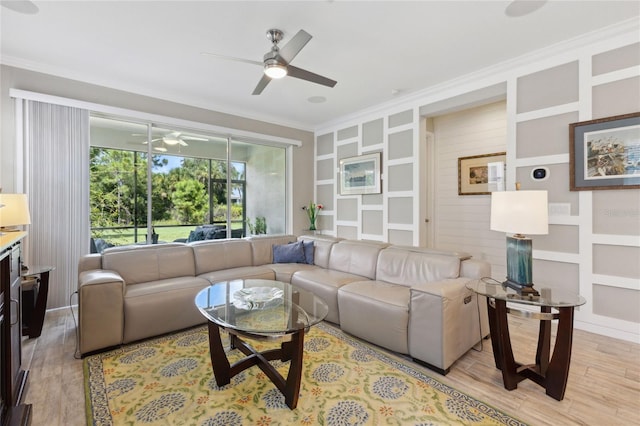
x=173 y=138
x=277 y=62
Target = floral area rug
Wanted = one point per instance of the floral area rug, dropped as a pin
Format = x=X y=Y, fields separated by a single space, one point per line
x=169 y=381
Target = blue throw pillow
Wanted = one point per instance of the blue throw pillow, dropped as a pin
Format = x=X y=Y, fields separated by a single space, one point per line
x=289 y=253
x=308 y=251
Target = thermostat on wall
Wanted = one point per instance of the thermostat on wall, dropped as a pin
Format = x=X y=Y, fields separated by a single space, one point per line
x=540 y=173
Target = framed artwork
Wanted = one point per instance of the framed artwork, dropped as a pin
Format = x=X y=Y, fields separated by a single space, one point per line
x=360 y=175
x=605 y=153
x=473 y=173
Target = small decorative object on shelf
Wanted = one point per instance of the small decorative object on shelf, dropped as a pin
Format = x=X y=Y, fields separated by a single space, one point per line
x=312 y=211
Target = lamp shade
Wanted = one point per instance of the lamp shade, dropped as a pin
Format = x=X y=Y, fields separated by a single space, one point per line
x=520 y=212
x=14 y=210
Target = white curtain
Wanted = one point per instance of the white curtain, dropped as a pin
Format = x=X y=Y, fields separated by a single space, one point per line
x=56 y=178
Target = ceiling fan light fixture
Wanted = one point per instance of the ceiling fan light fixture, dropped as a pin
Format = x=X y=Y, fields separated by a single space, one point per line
x=274 y=69
x=169 y=140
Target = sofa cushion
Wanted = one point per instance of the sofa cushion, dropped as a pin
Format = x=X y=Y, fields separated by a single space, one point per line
x=262 y=247
x=243 y=272
x=325 y=283
x=321 y=248
x=284 y=271
x=216 y=255
x=356 y=257
x=376 y=311
x=150 y=288
x=150 y=262
x=289 y=253
x=158 y=307
x=407 y=267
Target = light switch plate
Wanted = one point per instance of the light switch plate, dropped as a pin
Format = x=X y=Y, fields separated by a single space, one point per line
x=559 y=209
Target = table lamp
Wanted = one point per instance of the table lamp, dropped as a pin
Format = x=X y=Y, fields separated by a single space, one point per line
x=14 y=212
x=519 y=213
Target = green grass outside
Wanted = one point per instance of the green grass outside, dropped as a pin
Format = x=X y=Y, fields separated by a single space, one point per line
x=166 y=234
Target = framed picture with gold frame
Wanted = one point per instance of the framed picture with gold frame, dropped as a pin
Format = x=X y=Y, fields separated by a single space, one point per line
x=473 y=173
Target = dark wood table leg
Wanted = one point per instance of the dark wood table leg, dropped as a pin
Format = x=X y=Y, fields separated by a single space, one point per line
x=219 y=362
x=544 y=342
x=557 y=373
x=294 y=378
x=292 y=350
x=41 y=306
x=493 y=330
x=510 y=376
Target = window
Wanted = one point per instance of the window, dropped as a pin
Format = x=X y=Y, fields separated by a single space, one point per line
x=196 y=179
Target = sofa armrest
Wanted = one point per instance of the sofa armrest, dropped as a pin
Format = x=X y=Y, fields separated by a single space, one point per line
x=89 y=262
x=444 y=321
x=100 y=309
x=448 y=288
x=476 y=269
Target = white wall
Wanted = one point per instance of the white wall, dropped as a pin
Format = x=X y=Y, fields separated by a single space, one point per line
x=594 y=250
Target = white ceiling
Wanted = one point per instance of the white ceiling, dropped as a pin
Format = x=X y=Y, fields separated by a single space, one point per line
x=377 y=51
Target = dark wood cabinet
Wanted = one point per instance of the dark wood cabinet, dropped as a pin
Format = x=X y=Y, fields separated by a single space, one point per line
x=13 y=378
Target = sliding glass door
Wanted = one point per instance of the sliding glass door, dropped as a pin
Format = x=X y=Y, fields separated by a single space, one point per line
x=118 y=184
x=196 y=186
x=265 y=191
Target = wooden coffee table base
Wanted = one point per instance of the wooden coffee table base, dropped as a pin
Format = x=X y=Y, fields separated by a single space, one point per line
x=289 y=351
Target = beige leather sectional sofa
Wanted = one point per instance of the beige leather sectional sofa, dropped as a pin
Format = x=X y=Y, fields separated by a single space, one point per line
x=406 y=299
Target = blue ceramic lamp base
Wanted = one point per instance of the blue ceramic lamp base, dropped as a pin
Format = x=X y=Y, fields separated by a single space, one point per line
x=520 y=265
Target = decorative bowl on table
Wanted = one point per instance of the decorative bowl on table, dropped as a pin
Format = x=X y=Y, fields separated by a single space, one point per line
x=251 y=298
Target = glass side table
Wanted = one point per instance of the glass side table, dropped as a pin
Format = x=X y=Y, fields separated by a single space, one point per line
x=35 y=290
x=550 y=373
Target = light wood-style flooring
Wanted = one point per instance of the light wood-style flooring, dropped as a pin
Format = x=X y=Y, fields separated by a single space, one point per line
x=603 y=388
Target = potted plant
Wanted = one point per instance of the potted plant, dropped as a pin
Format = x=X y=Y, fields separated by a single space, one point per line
x=312 y=212
x=258 y=227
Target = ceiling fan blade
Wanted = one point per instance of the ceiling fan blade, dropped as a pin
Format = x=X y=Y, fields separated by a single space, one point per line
x=20 y=6
x=233 y=58
x=194 y=138
x=294 y=46
x=152 y=141
x=261 y=85
x=309 y=76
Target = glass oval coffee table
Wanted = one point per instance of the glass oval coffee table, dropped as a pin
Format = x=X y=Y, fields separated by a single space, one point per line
x=260 y=309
